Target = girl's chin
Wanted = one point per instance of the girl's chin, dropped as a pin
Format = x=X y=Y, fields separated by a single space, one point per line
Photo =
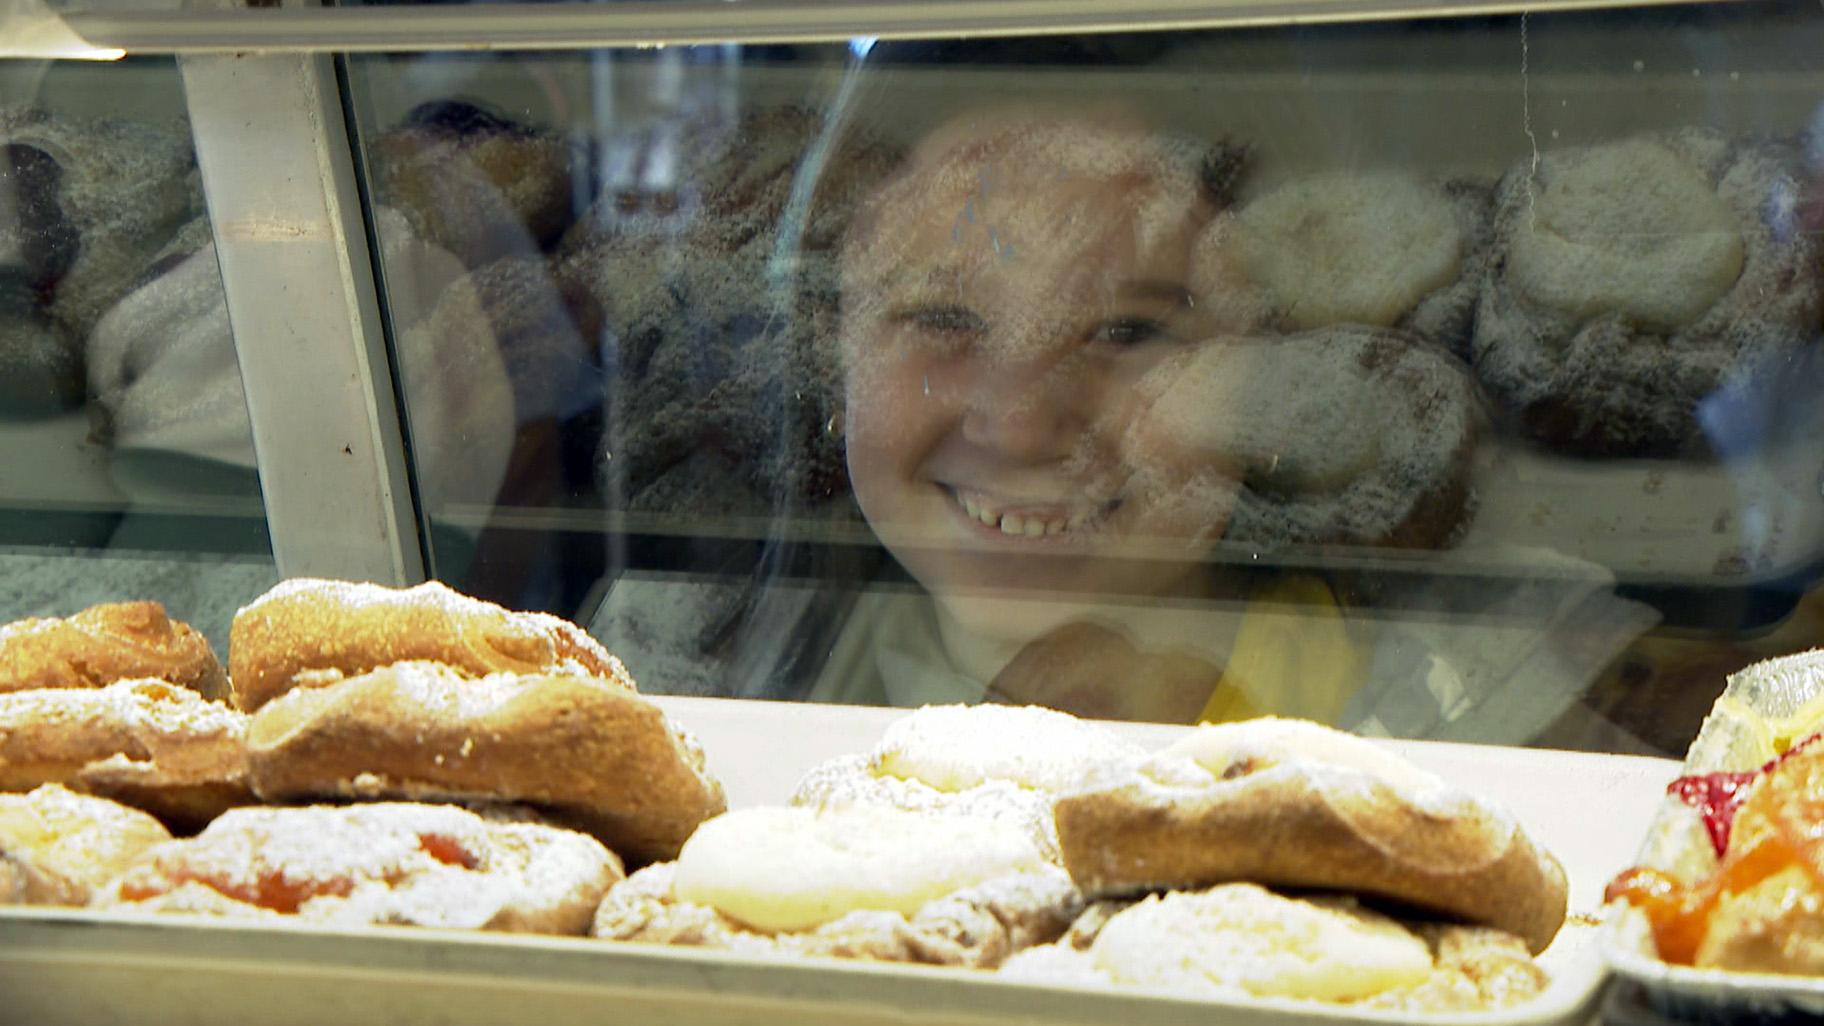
x=1010 y=618
x=1018 y=611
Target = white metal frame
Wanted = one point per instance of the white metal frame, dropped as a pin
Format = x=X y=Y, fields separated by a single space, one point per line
x=492 y=26
x=278 y=174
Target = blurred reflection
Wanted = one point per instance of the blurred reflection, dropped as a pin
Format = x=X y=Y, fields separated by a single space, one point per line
x=1082 y=393
x=106 y=495
x=85 y=203
x=165 y=378
x=1063 y=387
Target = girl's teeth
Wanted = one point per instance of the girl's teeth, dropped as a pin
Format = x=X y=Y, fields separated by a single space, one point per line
x=1019 y=525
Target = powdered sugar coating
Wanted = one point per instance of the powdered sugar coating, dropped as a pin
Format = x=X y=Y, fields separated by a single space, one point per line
x=421 y=865
x=145 y=743
x=1001 y=763
x=1380 y=248
x=156 y=720
x=60 y=845
x=956 y=747
x=1456 y=968
x=851 y=780
x=314 y=631
x=1270 y=751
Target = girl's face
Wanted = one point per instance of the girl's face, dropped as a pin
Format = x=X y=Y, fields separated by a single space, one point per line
x=1013 y=303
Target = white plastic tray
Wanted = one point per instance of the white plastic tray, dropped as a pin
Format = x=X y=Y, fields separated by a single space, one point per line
x=85 y=967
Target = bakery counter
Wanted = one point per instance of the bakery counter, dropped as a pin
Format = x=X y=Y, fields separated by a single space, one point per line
x=91 y=967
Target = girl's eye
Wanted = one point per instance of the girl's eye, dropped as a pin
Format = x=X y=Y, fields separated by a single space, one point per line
x=942 y=320
x=1133 y=331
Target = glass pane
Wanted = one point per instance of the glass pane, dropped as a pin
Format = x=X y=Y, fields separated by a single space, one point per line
x=127 y=469
x=1445 y=378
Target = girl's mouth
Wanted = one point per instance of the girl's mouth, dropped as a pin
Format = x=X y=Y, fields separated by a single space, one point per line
x=1028 y=520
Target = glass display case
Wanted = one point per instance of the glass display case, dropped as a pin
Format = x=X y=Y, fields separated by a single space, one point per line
x=1438 y=374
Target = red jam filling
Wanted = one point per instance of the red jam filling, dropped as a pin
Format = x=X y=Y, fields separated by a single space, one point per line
x=1717 y=796
x=1788 y=810
x=448 y=850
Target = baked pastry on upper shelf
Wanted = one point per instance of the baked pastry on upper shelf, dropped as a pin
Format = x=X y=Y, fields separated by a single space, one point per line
x=1240 y=940
x=588 y=752
x=1374 y=248
x=1345 y=434
x=311 y=632
x=1391 y=889
x=711 y=293
x=366 y=692
x=1289 y=803
x=1637 y=282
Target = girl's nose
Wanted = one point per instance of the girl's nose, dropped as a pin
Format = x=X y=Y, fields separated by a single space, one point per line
x=1022 y=410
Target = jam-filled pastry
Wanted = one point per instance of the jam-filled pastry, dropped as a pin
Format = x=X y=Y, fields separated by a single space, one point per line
x=853 y=882
x=398 y=863
x=144 y=743
x=1758 y=904
x=57 y=846
x=105 y=643
x=1635 y=279
x=1004 y=763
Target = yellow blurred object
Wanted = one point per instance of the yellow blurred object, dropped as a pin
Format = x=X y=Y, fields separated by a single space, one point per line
x=1305 y=663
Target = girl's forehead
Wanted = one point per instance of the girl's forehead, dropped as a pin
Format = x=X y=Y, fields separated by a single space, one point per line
x=1031 y=201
